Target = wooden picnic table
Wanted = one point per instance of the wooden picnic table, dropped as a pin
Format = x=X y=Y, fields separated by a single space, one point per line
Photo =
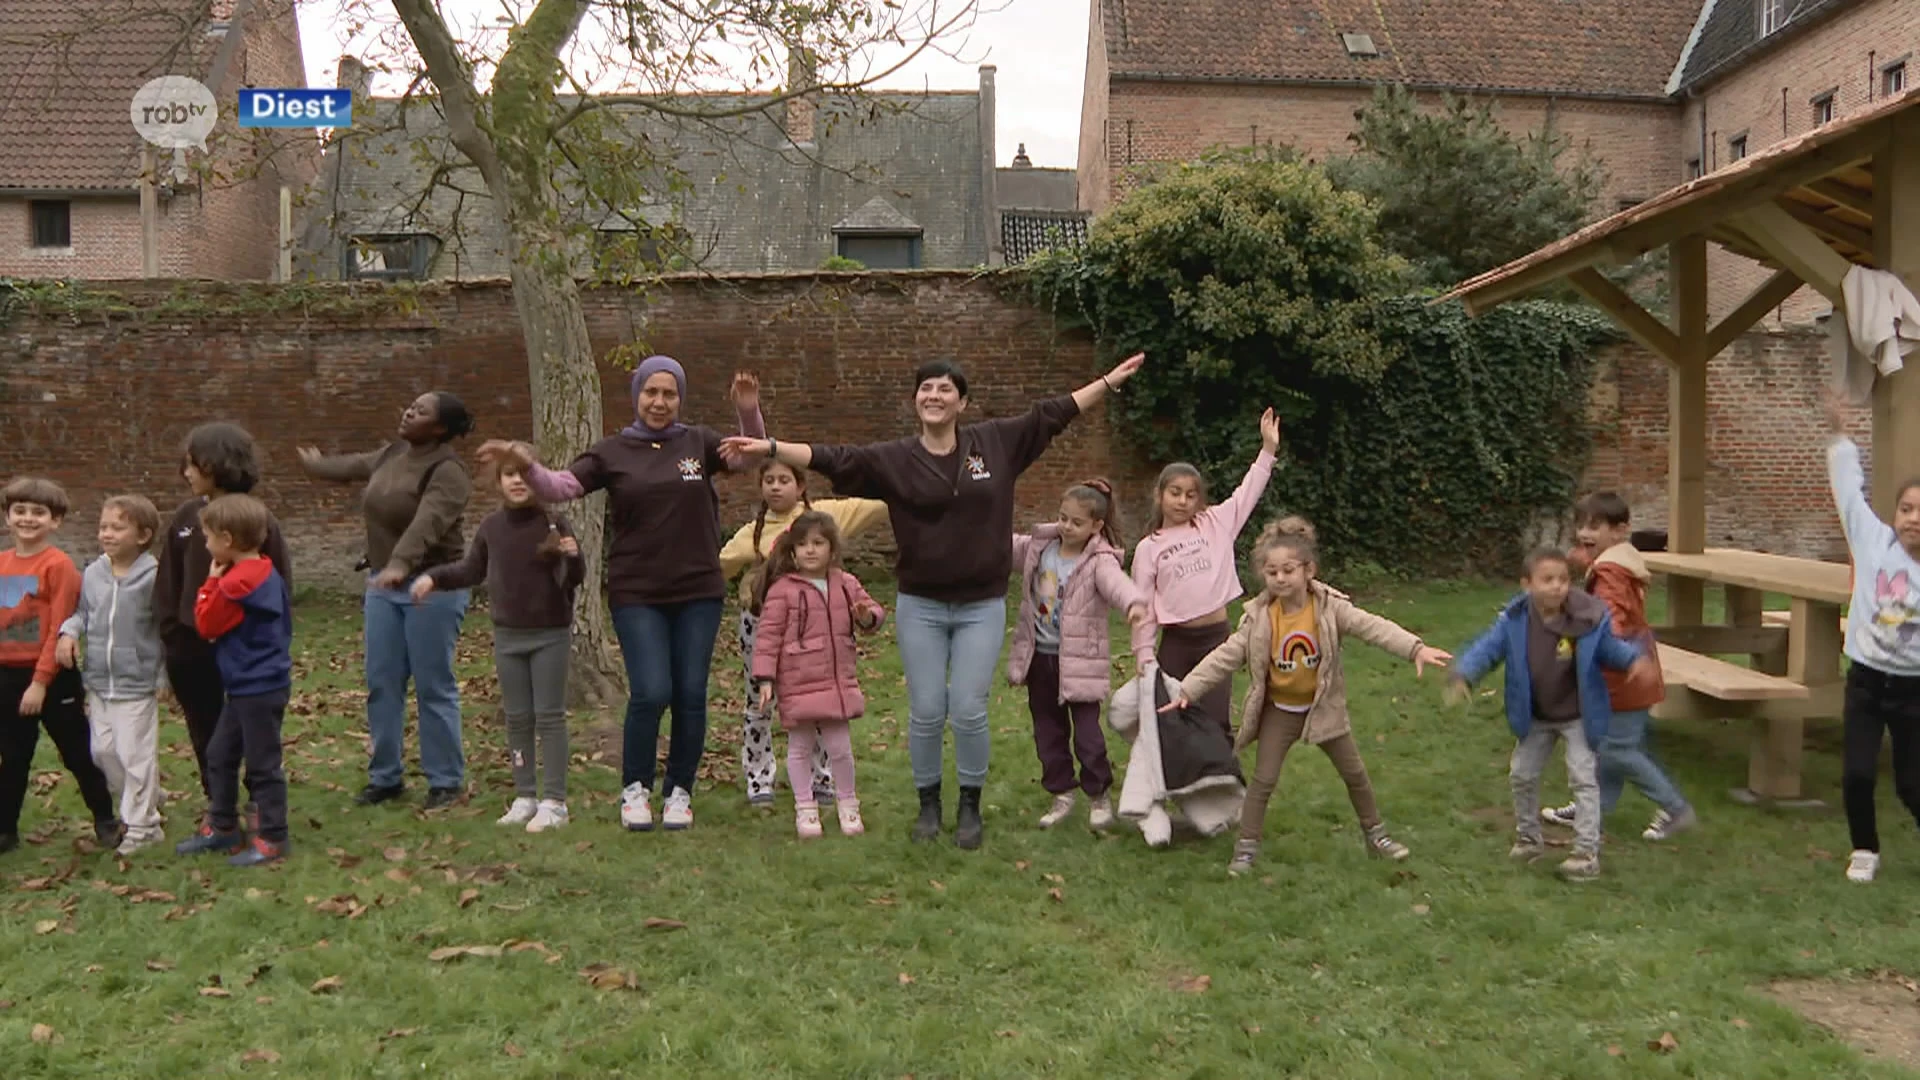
x=1795 y=672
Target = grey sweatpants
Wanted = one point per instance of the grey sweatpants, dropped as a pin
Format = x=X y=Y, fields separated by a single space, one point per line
x=1530 y=760
x=532 y=667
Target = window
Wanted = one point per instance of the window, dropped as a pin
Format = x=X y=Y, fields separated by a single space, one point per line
x=52 y=223
x=1773 y=15
x=1359 y=45
x=390 y=257
x=1694 y=171
x=1893 y=80
x=1823 y=109
x=880 y=252
x=1736 y=148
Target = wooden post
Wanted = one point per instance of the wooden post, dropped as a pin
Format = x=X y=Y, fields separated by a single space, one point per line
x=286 y=234
x=1896 y=244
x=1687 y=425
x=149 y=212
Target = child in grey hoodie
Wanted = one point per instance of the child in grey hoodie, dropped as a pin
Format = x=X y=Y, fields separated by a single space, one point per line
x=122 y=663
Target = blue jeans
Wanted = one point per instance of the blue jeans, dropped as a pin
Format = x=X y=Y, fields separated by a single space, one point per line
x=668 y=650
x=1627 y=754
x=408 y=640
x=950 y=652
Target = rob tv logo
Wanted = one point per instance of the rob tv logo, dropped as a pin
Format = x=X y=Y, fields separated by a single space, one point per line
x=296 y=108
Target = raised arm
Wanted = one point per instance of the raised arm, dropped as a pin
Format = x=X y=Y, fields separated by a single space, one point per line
x=1246 y=498
x=341 y=468
x=1863 y=527
x=1096 y=391
x=550 y=485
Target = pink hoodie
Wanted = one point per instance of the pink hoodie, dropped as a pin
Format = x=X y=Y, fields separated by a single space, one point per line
x=1096 y=586
x=1189 y=571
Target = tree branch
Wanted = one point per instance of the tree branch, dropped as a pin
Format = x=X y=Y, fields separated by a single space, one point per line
x=453 y=77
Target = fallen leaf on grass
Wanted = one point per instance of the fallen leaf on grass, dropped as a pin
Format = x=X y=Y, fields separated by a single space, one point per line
x=46 y=926
x=1615 y=1051
x=263 y=999
x=528 y=946
x=398 y=876
x=1665 y=1044
x=327 y=985
x=399 y=1033
x=95 y=969
x=455 y=952
x=1251 y=1029
x=265 y=1057
x=395 y=854
x=1740 y=1023
x=159 y=965
x=1190 y=984
x=1057 y=896
x=467 y=897
x=513 y=1051
x=583 y=847
x=44 y=1034
x=937 y=885
x=215 y=992
x=259 y=973
x=1054 y=878
x=1806 y=954
x=906 y=979
x=346 y=904
x=608 y=977
x=1021 y=864
x=1421 y=909
x=654 y=922
x=880 y=901
x=1007 y=1033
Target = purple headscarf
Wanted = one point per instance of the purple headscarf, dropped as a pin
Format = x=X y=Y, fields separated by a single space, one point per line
x=651 y=366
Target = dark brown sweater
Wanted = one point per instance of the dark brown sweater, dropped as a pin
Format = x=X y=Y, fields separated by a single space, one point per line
x=184 y=565
x=526 y=588
x=666 y=515
x=951 y=513
x=408 y=529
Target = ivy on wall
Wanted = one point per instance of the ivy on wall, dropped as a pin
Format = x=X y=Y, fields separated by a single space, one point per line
x=1417 y=439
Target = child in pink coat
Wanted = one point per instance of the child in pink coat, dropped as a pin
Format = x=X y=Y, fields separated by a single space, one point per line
x=1071 y=577
x=804 y=653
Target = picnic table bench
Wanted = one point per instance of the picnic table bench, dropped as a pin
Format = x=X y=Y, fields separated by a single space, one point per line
x=1794 y=656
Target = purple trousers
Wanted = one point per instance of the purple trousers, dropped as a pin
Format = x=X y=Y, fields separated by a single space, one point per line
x=1064 y=732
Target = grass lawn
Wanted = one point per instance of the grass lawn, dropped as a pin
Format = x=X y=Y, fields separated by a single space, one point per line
x=1044 y=954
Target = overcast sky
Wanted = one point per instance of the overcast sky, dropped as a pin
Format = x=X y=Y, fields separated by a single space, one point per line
x=1039 y=47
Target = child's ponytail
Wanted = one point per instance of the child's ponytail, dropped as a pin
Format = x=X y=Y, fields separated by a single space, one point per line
x=1097 y=496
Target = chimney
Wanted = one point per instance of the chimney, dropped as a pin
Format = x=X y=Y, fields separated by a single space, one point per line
x=354 y=76
x=801 y=77
x=1020 y=158
x=989 y=159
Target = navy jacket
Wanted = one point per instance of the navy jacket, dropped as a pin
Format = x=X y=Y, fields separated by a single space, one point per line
x=247 y=613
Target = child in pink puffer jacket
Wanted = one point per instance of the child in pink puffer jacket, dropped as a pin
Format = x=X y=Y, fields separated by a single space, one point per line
x=804 y=653
x=1071 y=577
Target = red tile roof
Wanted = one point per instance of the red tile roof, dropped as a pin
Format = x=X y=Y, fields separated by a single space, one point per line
x=68 y=71
x=1574 y=47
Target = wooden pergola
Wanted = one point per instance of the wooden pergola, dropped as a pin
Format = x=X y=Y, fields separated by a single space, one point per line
x=1809 y=208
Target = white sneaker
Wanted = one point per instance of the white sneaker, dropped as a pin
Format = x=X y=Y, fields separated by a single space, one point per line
x=551 y=815
x=1862 y=866
x=635 y=814
x=679 y=810
x=1062 y=806
x=520 y=812
x=1665 y=826
x=1100 y=814
x=1559 y=815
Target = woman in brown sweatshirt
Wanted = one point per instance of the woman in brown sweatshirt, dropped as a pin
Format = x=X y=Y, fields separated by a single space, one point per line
x=416 y=493
x=949 y=495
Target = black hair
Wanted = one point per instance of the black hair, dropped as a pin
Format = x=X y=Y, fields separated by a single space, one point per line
x=939 y=369
x=1604 y=508
x=452 y=414
x=225 y=453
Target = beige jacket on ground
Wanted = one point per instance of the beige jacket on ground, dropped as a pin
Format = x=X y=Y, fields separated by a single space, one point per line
x=1251 y=647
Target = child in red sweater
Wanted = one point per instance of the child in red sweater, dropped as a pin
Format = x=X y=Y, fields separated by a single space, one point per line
x=804 y=653
x=39 y=590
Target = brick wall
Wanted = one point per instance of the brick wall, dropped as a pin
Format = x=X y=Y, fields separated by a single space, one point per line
x=101 y=406
x=1770 y=98
x=1159 y=121
x=1766 y=469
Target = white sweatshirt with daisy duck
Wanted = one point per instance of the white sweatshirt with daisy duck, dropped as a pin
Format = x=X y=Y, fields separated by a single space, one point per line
x=1883 y=623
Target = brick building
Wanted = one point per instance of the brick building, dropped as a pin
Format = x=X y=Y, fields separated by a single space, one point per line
x=70 y=161
x=1659 y=92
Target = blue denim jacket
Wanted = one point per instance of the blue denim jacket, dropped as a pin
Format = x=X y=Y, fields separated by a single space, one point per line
x=1506 y=643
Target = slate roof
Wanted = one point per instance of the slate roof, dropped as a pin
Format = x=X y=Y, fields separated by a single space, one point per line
x=1026 y=233
x=1728 y=32
x=1575 y=47
x=750 y=200
x=68 y=70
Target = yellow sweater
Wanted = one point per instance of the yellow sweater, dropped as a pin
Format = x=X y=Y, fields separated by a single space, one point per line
x=853 y=516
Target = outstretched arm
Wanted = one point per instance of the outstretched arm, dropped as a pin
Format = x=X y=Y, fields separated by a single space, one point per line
x=1863 y=527
x=340 y=468
x=551 y=485
x=1096 y=391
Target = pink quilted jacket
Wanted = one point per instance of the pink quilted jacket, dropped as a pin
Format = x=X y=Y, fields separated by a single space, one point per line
x=1096 y=586
x=804 y=645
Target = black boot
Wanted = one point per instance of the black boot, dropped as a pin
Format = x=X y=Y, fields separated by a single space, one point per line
x=927 y=826
x=967 y=827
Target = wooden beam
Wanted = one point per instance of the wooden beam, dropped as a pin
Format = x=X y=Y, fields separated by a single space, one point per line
x=1636 y=320
x=1771 y=294
x=1853 y=236
x=1709 y=640
x=1796 y=247
x=1687 y=424
x=1896 y=397
x=1860 y=202
x=1821 y=702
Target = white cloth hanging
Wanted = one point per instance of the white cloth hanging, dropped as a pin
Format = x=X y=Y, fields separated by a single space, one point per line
x=1879 y=324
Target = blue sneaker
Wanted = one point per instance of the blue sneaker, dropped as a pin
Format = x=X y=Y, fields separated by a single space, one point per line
x=259 y=853
x=209 y=842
